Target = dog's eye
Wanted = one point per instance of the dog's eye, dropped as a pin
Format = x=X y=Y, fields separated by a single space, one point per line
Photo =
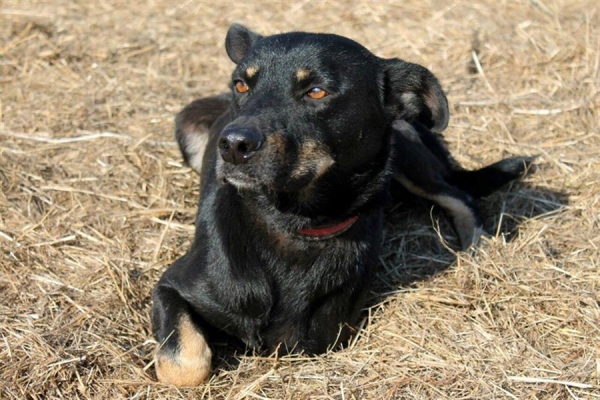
x=316 y=93
x=241 y=86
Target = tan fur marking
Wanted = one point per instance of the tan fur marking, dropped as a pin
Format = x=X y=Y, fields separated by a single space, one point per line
x=437 y=109
x=276 y=144
x=302 y=73
x=195 y=146
x=312 y=158
x=323 y=165
x=411 y=187
x=191 y=365
x=431 y=102
x=251 y=71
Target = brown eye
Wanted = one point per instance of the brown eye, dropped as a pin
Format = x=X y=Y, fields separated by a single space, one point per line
x=316 y=93
x=241 y=87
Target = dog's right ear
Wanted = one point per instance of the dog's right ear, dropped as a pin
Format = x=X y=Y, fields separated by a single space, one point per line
x=192 y=127
x=239 y=39
x=413 y=93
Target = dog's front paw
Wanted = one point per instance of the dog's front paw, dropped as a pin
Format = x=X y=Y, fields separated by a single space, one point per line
x=189 y=364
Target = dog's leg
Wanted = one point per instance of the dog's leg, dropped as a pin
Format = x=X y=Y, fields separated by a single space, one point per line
x=478 y=183
x=422 y=165
x=344 y=306
x=484 y=181
x=425 y=168
x=464 y=186
x=459 y=205
x=184 y=357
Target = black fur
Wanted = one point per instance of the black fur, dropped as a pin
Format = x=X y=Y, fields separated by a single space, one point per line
x=296 y=163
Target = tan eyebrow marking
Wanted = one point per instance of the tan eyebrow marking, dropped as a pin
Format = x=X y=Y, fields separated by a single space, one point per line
x=302 y=73
x=251 y=71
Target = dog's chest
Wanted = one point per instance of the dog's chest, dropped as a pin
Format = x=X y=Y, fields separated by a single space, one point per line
x=299 y=281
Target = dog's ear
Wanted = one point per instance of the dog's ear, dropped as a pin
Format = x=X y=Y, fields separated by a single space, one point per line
x=192 y=127
x=239 y=39
x=412 y=93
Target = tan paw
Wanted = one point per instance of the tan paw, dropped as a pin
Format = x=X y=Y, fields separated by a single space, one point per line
x=191 y=365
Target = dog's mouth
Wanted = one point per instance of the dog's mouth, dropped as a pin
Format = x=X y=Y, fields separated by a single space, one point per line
x=241 y=182
x=247 y=180
x=226 y=175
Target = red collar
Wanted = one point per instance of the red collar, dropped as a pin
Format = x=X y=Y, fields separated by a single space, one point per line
x=327 y=232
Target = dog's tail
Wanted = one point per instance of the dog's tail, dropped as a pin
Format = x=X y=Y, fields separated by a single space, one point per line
x=484 y=181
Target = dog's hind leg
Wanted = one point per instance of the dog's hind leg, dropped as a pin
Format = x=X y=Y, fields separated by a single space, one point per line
x=192 y=126
x=184 y=356
x=425 y=168
x=422 y=166
x=458 y=204
x=484 y=181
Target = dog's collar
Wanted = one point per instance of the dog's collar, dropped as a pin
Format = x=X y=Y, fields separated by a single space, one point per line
x=327 y=232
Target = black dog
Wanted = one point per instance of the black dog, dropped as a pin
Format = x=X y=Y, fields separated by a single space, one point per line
x=298 y=165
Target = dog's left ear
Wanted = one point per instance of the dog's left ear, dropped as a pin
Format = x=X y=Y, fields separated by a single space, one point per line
x=412 y=93
x=192 y=127
x=239 y=39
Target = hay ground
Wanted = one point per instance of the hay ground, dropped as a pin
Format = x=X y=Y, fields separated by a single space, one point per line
x=95 y=202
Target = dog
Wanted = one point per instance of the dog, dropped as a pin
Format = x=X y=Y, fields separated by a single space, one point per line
x=296 y=166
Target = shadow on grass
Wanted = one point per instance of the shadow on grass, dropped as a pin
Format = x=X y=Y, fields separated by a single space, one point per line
x=413 y=251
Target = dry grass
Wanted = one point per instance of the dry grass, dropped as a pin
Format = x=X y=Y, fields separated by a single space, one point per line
x=89 y=219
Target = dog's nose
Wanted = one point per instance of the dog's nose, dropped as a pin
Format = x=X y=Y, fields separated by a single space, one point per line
x=238 y=144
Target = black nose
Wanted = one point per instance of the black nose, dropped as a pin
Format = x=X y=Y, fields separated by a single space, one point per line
x=238 y=144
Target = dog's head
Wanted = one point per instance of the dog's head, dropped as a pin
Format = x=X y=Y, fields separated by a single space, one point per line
x=311 y=107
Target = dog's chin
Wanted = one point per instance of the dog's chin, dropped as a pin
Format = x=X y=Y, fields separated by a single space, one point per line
x=239 y=180
x=242 y=183
x=246 y=182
